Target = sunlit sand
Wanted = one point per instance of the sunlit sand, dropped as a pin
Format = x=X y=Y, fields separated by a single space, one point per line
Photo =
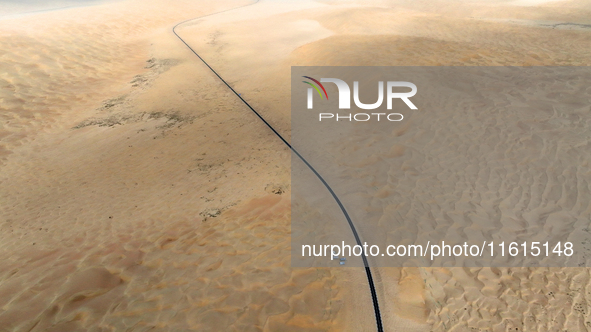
x=138 y=193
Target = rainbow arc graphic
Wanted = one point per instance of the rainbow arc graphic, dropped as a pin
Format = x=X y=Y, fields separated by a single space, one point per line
x=316 y=87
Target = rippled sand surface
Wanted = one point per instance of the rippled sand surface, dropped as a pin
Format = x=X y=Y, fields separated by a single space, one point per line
x=138 y=194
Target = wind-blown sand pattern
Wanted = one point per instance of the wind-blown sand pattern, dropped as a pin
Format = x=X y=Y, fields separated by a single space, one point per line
x=138 y=194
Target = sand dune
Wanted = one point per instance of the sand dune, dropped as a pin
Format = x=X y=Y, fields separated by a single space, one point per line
x=137 y=193
x=112 y=197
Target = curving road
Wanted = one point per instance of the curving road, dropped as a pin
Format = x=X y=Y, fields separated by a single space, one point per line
x=370 y=280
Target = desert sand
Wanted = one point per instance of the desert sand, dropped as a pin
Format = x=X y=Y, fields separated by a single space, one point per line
x=138 y=194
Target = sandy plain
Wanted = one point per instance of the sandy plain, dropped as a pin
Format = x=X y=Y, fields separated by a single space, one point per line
x=138 y=194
